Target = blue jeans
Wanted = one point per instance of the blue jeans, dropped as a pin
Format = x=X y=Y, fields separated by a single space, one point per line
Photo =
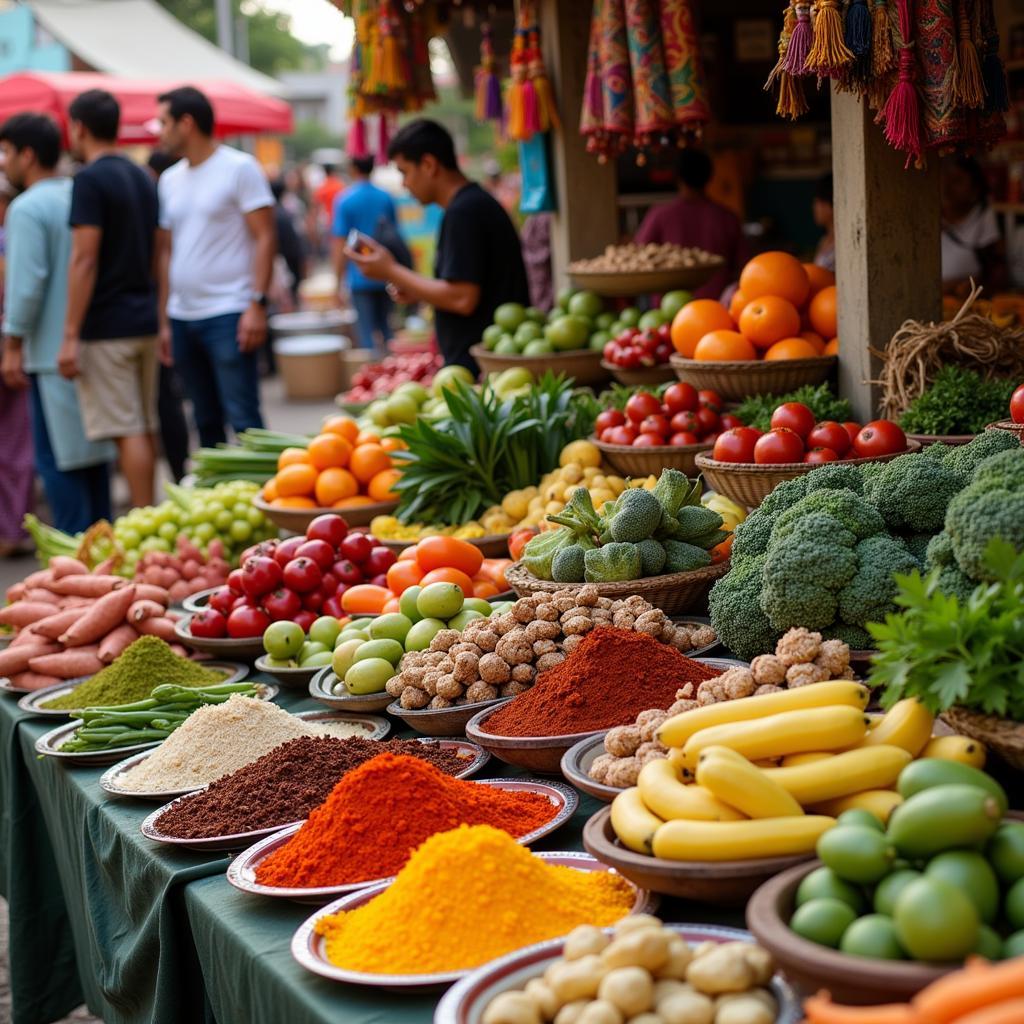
x=77 y=497
x=372 y=307
x=220 y=382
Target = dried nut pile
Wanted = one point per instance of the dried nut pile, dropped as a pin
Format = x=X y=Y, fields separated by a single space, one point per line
x=800 y=657
x=502 y=655
x=629 y=258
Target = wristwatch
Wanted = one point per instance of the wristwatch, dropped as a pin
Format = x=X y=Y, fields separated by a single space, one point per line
x=260 y=298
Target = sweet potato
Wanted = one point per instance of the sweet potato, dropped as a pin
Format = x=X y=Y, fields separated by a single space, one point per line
x=16 y=592
x=144 y=610
x=96 y=622
x=25 y=613
x=62 y=565
x=179 y=590
x=27 y=636
x=43 y=595
x=149 y=592
x=88 y=586
x=16 y=658
x=160 y=626
x=76 y=602
x=35 y=680
x=116 y=641
x=39 y=578
x=80 y=661
x=180 y=651
x=53 y=626
x=107 y=566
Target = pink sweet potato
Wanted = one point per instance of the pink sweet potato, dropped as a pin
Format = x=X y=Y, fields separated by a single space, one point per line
x=96 y=622
x=16 y=592
x=75 y=602
x=81 y=661
x=35 y=680
x=53 y=626
x=16 y=657
x=62 y=565
x=179 y=590
x=144 y=610
x=160 y=626
x=42 y=594
x=116 y=641
x=39 y=578
x=25 y=613
x=107 y=566
x=87 y=586
x=149 y=592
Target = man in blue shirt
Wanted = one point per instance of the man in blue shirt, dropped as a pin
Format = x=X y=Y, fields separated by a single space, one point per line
x=362 y=206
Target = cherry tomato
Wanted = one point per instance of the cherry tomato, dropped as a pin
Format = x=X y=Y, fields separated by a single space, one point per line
x=608 y=418
x=736 y=445
x=681 y=397
x=303 y=574
x=728 y=421
x=794 y=416
x=286 y=549
x=685 y=421
x=829 y=434
x=330 y=528
x=682 y=437
x=235 y=581
x=642 y=405
x=356 y=547
x=820 y=454
x=625 y=434
x=246 y=622
x=780 y=444
x=260 y=575
x=879 y=437
x=282 y=603
x=708 y=421
x=1017 y=405
x=852 y=429
x=656 y=424
x=648 y=441
x=712 y=399
x=209 y=624
x=320 y=551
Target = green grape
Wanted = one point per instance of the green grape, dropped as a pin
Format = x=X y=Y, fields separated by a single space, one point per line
x=223 y=520
x=161 y=544
x=241 y=531
x=150 y=544
x=240 y=509
x=168 y=531
x=204 y=533
x=254 y=517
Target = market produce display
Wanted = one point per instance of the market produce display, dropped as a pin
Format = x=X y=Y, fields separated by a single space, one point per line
x=252 y=457
x=642 y=969
x=678 y=415
x=644 y=339
x=186 y=571
x=367 y=801
x=1017 y=405
x=957 y=401
x=756 y=410
x=388 y=377
x=630 y=259
x=472 y=878
x=578 y=320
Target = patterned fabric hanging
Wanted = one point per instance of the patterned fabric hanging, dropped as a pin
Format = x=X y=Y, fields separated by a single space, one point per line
x=690 y=110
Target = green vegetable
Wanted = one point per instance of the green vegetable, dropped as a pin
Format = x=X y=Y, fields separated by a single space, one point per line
x=757 y=410
x=965 y=459
x=696 y=521
x=683 y=557
x=734 y=603
x=254 y=457
x=612 y=563
x=675 y=491
x=870 y=593
x=637 y=515
x=850 y=511
x=912 y=493
x=652 y=557
x=567 y=565
x=539 y=553
x=579 y=513
x=958 y=401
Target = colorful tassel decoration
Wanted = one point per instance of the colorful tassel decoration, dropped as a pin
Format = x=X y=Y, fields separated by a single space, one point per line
x=857 y=30
x=828 y=54
x=883 y=53
x=968 y=87
x=792 y=102
x=902 y=114
x=357 y=138
x=800 y=40
x=488 y=85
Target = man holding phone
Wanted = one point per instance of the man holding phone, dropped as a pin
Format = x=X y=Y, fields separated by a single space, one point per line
x=478 y=265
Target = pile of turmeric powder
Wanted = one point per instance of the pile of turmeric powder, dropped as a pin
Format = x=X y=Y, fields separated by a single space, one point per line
x=465 y=897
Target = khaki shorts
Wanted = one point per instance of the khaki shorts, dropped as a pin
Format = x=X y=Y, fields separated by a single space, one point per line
x=117 y=388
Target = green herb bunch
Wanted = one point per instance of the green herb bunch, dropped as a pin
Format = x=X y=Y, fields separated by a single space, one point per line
x=959 y=401
x=946 y=650
x=757 y=410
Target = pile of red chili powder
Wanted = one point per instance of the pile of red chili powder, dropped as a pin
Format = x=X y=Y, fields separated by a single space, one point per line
x=607 y=680
x=379 y=813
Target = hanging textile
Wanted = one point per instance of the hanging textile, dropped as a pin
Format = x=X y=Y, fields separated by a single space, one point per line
x=652 y=102
x=679 y=37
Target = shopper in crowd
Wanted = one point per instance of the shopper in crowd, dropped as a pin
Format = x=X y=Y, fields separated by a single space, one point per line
x=972 y=246
x=478 y=264
x=362 y=207
x=328 y=191
x=825 y=218
x=290 y=247
x=216 y=257
x=74 y=470
x=694 y=219
x=110 y=327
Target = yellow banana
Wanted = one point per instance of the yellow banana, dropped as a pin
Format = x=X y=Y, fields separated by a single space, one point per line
x=791 y=732
x=679 y=728
x=792 y=760
x=907 y=724
x=633 y=823
x=851 y=771
x=880 y=802
x=739 y=840
x=956 y=748
x=664 y=793
x=735 y=781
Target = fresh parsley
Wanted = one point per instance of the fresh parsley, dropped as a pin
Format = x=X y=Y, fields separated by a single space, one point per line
x=958 y=401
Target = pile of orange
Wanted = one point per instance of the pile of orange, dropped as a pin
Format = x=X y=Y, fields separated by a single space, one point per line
x=783 y=309
x=342 y=467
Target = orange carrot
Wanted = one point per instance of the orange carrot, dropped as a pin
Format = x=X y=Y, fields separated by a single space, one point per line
x=16 y=657
x=149 y=592
x=116 y=641
x=87 y=586
x=34 y=680
x=53 y=626
x=96 y=622
x=25 y=613
x=144 y=609
x=1009 y=1011
x=159 y=625
x=80 y=661
x=62 y=565
x=979 y=985
x=820 y=1009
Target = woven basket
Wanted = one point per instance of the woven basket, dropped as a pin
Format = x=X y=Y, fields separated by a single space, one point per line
x=743 y=378
x=629 y=461
x=1003 y=737
x=583 y=365
x=641 y=376
x=953 y=440
x=749 y=484
x=1013 y=428
x=673 y=594
x=296 y=520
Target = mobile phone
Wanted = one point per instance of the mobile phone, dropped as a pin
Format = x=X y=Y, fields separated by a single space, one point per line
x=358 y=242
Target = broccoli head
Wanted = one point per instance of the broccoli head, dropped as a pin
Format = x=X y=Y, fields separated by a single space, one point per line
x=939 y=552
x=852 y=511
x=1005 y=470
x=855 y=637
x=612 y=563
x=683 y=557
x=953 y=583
x=912 y=493
x=917 y=545
x=788 y=493
x=938 y=450
x=975 y=516
x=637 y=515
x=752 y=535
x=965 y=459
x=652 y=557
x=869 y=595
x=835 y=476
x=736 y=613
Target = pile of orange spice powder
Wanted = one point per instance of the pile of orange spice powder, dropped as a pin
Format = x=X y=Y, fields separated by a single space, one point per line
x=377 y=814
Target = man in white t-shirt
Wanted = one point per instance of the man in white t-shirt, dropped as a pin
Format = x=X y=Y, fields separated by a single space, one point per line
x=216 y=248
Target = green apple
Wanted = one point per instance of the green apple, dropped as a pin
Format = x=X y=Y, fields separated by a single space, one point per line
x=598 y=340
x=509 y=315
x=491 y=335
x=325 y=630
x=604 y=321
x=510 y=380
x=540 y=347
x=440 y=600
x=563 y=297
x=279 y=662
x=528 y=331
x=538 y=316
x=392 y=626
x=418 y=638
x=407 y=604
x=344 y=655
x=309 y=648
x=283 y=640
x=477 y=604
x=446 y=377
x=630 y=316
x=567 y=333
x=506 y=346
x=586 y=304
x=317 y=660
x=402 y=408
x=368 y=676
x=652 y=319
x=377 y=413
x=672 y=302
x=413 y=388
x=348 y=633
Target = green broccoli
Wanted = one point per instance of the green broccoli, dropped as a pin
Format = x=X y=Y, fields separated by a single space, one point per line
x=1005 y=471
x=637 y=515
x=912 y=493
x=612 y=563
x=788 y=493
x=940 y=552
x=682 y=557
x=869 y=473
x=567 y=565
x=673 y=491
x=855 y=637
x=953 y=583
x=978 y=514
x=964 y=460
x=835 y=476
x=938 y=450
x=869 y=595
x=852 y=511
x=652 y=557
x=708 y=540
x=695 y=521
x=540 y=552
x=917 y=545
x=752 y=535
x=579 y=513
x=736 y=614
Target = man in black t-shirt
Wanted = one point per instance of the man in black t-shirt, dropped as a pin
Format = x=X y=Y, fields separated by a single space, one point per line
x=110 y=329
x=479 y=264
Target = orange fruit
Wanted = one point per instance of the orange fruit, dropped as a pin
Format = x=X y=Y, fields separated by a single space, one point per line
x=356 y=501
x=327 y=450
x=403 y=574
x=768 y=319
x=269 y=492
x=736 y=304
x=367 y=461
x=393 y=444
x=292 y=456
x=449 y=575
x=822 y=312
x=344 y=426
x=819 y=277
x=494 y=569
x=775 y=273
x=297 y=479
x=484 y=588
x=695 y=320
x=831 y=348
x=815 y=339
x=792 y=348
x=408 y=553
x=392 y=605
x=449 y=553
x=294 y=501
x=381 y=485
x=367 y=437
x=333 y=484
x=724 y=345
x=365 y=599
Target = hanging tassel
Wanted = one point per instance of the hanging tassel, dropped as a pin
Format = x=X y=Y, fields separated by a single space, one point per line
x=546 y=107
x=967 y=87
x=792 y=102
x=800 y=40
x=531 y=116
x=357 y=138
x=902 y=114
x=828 y=54
x=516 y=105
x=883 y=54
x=857 y=29
x=488 y=85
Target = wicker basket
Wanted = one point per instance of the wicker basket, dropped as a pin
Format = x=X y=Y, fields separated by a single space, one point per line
x=641 y=376
x=629 y=461
x=626 y=284
x=743 y=378
x=296 y=520
x=953 y=440
x=749 y=484
x=1003 y=737
x=1013 y=428
x=583 y=365
x=673 y=594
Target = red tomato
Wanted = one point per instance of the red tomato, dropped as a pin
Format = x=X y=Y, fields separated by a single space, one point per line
x=303 y=575
x=282 y=604
x=608 y=418
x=681 y=397
x=728 y=421
x=852 y=430
x=606 y=435
x=829 y=434
x=518 y=540
x=709 y=439
x=736 y=445
x=794 y=416
x=1017 y=405
x=656 y=424
x=682 y=437
x=642 y=405
x=320 y=551
x=356 y=547
x=625 y=434
x=304 y=619
x=685 y=421
x=708 y=420
x=260 y=575
x=649 y=441
x=879 y=437
x=779 y=445
x=821 y=454
x=712 y=399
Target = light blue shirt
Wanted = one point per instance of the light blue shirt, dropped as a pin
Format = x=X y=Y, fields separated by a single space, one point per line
x=361 y=206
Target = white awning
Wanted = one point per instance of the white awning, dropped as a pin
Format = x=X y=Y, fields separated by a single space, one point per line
x=140 y=39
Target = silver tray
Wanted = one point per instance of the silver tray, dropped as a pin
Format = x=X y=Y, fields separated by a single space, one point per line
x=576 y=762
x=320 y=690
x=242 y=870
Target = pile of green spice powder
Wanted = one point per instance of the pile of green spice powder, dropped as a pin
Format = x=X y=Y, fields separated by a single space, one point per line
x=145 y=664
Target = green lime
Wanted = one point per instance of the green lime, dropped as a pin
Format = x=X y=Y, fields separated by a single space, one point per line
x=858 y=816
x=348 y=633
x=440 y=600
x=1013 y=945
x=477 y=604
x=990 y=945
x=1014 y=906
x=389 y=650
x=317 y=660
x=392 y=626
x=823 y=921
x=936 y=921
x=824 y=882
x=856 y=853
x=283 y=640
x=407 y=604
x=971 y=874
x=369 y=676
x=363 y=624
x=1006 y=851
x=889 y=889
x=875 y=936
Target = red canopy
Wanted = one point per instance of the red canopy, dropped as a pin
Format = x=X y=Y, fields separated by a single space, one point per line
x=236 y=109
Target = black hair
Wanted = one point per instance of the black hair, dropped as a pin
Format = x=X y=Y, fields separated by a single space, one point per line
x=693 y=168
x=38 y=132
x=363 y=164
x=329 y=168
x=159 y=160
x=99 y=112
x=973 y=170
x=823 y=188
x=277 y=188
x=187 y=99
x=421 y=138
